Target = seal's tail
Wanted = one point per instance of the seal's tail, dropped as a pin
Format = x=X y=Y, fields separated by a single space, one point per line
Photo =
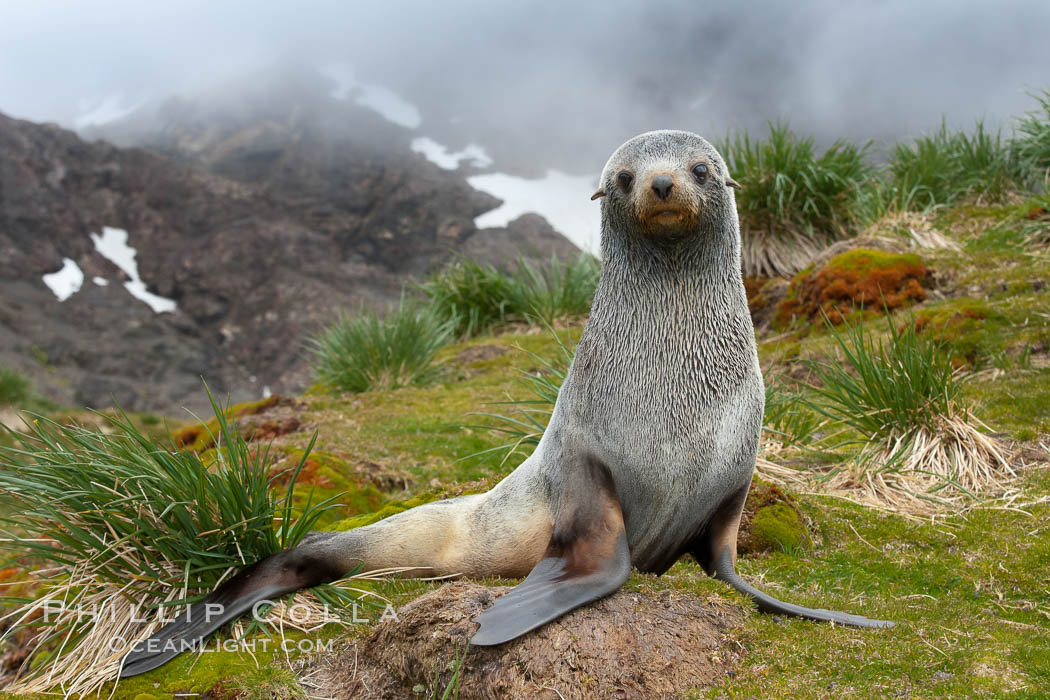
x=725 y=571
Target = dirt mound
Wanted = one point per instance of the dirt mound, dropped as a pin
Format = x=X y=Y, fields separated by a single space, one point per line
x=629 y=645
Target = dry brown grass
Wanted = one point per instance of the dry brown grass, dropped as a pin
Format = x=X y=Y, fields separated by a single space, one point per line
x=919 y=475
x=88 y=656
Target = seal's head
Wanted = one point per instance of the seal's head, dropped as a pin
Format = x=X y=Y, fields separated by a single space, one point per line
x=666 y=183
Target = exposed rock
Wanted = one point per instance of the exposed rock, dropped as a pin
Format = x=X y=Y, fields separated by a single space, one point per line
x=259 y=224
x=530 y=234
x=629 y=645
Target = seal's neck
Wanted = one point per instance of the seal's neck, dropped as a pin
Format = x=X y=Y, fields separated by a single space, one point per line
x=673 y=318
x=662 y=284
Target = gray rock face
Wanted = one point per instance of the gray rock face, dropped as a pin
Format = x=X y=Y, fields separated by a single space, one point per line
x=258 y=225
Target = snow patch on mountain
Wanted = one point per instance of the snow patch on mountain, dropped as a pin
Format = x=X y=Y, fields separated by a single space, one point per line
x=113 y=246
x=104 y=111
x=436 y=153
x=67 y=281
x=378 y=98
x=563 y=200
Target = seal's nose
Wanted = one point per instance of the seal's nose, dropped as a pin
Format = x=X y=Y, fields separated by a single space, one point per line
x=662 y=186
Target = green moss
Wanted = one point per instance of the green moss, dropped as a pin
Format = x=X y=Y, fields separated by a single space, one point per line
x=1017 y=403
x=14 y=388
x=186 y=674
x=970 y=328
x=388 y=509
x=966 y=213
x=1008 y=238
x=1026 y=434
x=150 y=419
x=268 y=682
x=40 y=355
x=999 y=332
x=867 y=260
x=779 y=526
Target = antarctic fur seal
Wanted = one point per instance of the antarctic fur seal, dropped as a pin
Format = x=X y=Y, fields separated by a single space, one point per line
x=649 y=452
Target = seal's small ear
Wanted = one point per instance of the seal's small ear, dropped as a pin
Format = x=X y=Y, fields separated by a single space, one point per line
x=596 y=195
x=730 y=182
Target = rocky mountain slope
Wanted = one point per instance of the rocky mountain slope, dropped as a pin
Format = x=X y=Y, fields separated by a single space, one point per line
x=257 y=217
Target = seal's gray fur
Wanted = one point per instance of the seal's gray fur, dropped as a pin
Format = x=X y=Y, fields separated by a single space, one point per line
x=665 y=395
x=665 y=389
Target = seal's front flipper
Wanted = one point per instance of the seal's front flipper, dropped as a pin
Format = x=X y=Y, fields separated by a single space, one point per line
x=265 y=580
x=587 y=559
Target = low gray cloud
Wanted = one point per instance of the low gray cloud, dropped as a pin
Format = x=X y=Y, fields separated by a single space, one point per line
x=548 y=84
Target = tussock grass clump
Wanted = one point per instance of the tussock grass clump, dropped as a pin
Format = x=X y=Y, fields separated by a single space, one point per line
x=479 y=297
x=476 y=296
x=366 y=352
x=947 y=165
x=921 y=452
x=788 y=419
x=122 y=531
x=1031 y=141
x=557 y=290
x=794 y=203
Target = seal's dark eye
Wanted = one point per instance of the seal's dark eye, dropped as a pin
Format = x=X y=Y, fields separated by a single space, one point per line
x=625 y=179
x=700 y=172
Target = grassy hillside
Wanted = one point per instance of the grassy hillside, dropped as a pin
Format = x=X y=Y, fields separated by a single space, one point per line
x=963 y=571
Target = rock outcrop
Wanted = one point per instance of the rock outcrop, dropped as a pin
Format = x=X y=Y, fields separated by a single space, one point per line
x=258 y=220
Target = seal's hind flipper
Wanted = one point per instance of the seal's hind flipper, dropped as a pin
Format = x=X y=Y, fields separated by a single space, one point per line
x=587 y=558
x=725 y=571
x=715 y=550
x=265 y=580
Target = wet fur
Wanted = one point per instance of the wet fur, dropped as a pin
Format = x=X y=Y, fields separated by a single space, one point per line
x=665 y=390
x=665 y=394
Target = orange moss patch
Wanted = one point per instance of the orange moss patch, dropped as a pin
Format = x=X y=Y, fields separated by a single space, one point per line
x=859 y=279
x=312 y=474
x=187 y=437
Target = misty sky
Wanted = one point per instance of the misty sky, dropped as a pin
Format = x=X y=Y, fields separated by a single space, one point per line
x=543 y=84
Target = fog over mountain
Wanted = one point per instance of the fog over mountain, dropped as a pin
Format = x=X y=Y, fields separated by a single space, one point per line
x=241 y=169
x=545 y=85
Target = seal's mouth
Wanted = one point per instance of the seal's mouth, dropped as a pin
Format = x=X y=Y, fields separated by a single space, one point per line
x=666 y=216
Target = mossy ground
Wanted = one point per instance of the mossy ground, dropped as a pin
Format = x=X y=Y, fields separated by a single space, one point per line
x=858 y=279
x=970 y=592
